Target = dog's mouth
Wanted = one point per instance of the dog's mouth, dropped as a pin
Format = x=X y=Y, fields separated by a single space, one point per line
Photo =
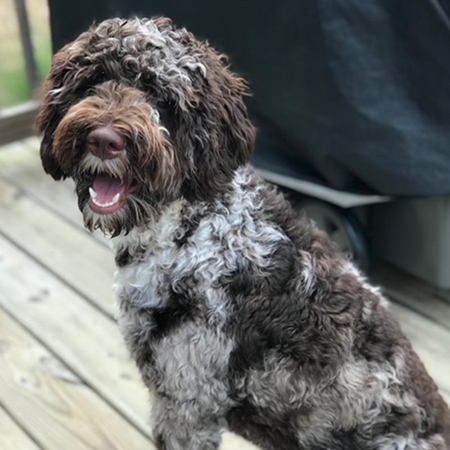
x=108 y=194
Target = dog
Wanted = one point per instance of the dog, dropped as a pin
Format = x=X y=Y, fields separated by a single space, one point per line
x=239 y=312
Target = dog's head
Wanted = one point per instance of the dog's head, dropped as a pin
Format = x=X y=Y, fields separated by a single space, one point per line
x=140 y=113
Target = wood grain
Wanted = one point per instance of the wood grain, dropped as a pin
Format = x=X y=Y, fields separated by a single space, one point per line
x=21 y=167
x=52 y=404
x=12 y=437
x=85 y=339
x=69 y=252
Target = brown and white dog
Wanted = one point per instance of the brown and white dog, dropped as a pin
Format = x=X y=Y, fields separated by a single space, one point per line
x=239 y=312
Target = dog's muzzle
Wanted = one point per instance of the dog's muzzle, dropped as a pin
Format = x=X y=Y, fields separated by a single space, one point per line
x=108 y=193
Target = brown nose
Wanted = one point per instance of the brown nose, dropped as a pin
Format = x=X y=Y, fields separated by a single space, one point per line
x=105 y=143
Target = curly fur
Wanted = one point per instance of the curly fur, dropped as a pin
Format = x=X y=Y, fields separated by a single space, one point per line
x=240 y=313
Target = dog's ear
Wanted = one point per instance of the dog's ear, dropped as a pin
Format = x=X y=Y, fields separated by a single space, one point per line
x=228 y=111
x=50 y=112
x=221 y=136
x=46 y=124
x=57 y=96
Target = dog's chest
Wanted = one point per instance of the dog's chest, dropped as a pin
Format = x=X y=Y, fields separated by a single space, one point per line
x=173 y=295
x=164 y=274
x=167 y=265
x=165 y=287
x=172 y=315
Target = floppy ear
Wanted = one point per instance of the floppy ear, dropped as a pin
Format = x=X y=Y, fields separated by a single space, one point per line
x=216 y=129
x=59 y=92
x=46 y=123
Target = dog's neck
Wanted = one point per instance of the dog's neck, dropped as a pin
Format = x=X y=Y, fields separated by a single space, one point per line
x=176 y=220
x=160 y=230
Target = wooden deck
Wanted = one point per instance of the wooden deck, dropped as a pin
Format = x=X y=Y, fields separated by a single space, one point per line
x=66 y=380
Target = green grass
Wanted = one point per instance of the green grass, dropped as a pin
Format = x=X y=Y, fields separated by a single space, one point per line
x=13 y=88
x=13 y=79
x=44 y=59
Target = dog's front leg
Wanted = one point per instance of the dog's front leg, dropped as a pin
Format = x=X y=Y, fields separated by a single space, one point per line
x=185 y=426
x=190 y=381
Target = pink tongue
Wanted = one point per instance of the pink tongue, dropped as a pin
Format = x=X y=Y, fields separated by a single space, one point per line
x=107 y=187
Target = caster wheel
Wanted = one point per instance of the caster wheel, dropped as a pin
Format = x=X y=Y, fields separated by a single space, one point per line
x=342 y=226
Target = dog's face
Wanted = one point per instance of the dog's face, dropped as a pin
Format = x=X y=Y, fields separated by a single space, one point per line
x=140 y=113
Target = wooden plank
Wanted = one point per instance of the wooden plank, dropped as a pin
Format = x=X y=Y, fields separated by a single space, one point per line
x=12 y=437
x=18 y=122
x=85 y=339
x=52 y=404
x=431 y=342
x=15 y=154
x=21 y=166
x=413 y=293
x=82 y=262
x=56 y=196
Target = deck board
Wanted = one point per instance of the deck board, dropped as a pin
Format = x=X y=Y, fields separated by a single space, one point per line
x=431 y=342
x=12 y=436
x=33 y=227
x=51 y=403
x=426 y=300
x=24 y=171
x=56 y=304
x=81 y=336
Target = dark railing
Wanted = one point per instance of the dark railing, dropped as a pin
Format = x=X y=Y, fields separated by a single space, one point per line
x=17 y=123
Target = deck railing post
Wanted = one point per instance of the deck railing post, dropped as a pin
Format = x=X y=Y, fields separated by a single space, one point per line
x=27 y=45
x=17 y=122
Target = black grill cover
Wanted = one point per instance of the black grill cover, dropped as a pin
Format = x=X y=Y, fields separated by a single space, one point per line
x=353 y=94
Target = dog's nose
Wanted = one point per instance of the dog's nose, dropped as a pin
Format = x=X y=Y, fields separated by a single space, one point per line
x=105 y=143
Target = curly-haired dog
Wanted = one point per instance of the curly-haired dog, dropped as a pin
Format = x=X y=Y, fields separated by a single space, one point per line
x=240 y=313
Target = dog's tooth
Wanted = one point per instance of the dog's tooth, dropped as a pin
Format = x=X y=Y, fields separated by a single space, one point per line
x=92 y=193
